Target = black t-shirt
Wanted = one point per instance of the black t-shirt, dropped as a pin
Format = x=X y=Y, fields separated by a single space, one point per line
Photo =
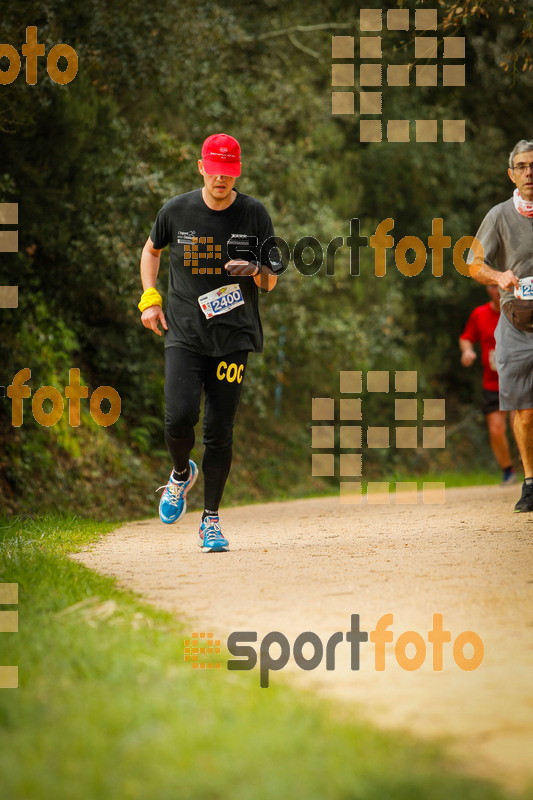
x=201 y=242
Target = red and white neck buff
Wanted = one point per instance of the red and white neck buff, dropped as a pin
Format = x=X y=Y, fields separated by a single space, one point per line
x=524 y=207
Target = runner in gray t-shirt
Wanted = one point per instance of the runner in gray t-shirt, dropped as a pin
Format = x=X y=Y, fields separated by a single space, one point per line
x=506 y=235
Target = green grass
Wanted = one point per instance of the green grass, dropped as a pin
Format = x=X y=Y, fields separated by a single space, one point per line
x=455 y=479
x=107 y=709
x=451 y=479
x=472 y=478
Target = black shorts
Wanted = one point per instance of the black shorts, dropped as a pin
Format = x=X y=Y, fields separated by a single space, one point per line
x=490 y=401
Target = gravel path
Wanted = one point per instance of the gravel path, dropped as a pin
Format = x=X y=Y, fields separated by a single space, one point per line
x=307 y=565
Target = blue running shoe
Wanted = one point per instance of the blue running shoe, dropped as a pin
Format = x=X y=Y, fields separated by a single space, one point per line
x=173 y=504
x=210 y=537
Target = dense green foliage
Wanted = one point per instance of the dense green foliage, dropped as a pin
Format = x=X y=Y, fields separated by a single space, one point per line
x=90 y=163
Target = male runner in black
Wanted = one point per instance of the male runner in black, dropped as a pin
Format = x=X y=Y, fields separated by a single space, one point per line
x=219 y=256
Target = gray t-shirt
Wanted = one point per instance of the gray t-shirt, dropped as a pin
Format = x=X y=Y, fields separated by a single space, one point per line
x=507 y=239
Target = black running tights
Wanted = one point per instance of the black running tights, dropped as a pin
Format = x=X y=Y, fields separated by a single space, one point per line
x=221 y=377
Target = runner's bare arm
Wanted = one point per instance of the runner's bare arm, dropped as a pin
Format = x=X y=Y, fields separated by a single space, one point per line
x=153 y=315
x=468 y=354
x=484 y=274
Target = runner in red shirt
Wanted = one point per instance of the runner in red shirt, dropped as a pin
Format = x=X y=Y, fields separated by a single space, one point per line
x=480 y=328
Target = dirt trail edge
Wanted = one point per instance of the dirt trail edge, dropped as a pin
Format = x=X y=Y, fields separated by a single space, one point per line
x=307 y=565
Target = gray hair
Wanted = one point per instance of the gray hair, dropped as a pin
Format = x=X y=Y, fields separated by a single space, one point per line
x=523 y=146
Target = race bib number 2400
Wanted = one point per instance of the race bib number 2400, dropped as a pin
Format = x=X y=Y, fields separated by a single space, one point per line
x=221 y=300
x=524 y=290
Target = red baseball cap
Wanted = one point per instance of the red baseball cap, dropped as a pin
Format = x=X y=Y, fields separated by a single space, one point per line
x=221 y=155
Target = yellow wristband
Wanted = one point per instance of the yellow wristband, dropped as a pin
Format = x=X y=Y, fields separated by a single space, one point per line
x=150 y=297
